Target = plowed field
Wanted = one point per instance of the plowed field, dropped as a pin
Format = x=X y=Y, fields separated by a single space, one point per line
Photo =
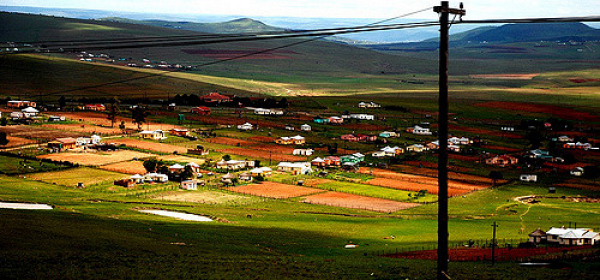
x=86 y=128
x=151 y=146
x=274 y=190
x=561 y=112
x=96 y=159
x=345 y=200
x=275 y=156
x=128 y=167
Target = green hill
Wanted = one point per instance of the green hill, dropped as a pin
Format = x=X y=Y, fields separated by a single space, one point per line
x=242 y=25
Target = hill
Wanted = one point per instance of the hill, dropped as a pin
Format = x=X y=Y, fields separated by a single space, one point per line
x=242 y=25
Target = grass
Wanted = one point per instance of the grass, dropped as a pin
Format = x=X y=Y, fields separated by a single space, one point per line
x=15 y=165
x=374 y=191
x=87 y=176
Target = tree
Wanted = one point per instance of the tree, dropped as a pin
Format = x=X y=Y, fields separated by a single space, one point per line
x=187 y=173
x=113 y=111
x=122 y=125
x=495 y=176
x=226 y=158
x=150 y=165
x=259 y=178
x=591 y=172
x=3 y=138
x=3 y=121
x=138 y=114
x=62 y=102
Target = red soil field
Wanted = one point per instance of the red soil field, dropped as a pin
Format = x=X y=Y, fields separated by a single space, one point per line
x=561 y=112
x=127 y=167
x=264 y=139
x=96 y=159
x=476 y=254
x=86 y=128
x=151 y=146
x=578 y=80
x=46 y=134
x=501 y=148
x=102 y=120
x=275 y=156
x=368 y=127
x=274 y=190
x=463 y=157
x=415 y=187
x=17 y=141
x=229 y=141
x=433 y=165
x=232 y=121
x=338 y=199
x=275 y=148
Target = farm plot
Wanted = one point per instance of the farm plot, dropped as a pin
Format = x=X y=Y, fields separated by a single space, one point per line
x=102 y=119
x=367 y=190
x=96 y=159
x=477 y=254
x=263 y=139
x=85 y=128
x=206 y=197
x=127 y=167
x=37 y=132
x=71 y=177
x=183 y=159
x=274 y=190
x=151 y=146
x=338 y=199
x=275 y=155
x=561 y=112
x=229 y=141
x=476 y=180
x=17 y=141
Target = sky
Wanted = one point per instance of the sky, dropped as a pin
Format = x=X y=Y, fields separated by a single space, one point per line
x=476 y=9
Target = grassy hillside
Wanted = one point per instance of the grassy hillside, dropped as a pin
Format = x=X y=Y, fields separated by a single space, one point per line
x=242 y=25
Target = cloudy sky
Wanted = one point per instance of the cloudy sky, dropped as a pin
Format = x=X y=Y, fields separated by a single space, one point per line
x=476 y=9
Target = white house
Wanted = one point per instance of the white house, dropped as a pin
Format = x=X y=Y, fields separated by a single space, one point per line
x=190 y=185
x=528 y=178
x=263 y=171
x=137 y=178
x=262 y=111
x=359 y=116
x=305 y=127
x=156 y=177
x=303 y=152
x=234 y=164
x=417 y=130
x=577 y=171
x=572 y=236
x=31 y=111
x=565 y=138
x=294 y=167
x=153 y=134
x=246 y=126
x=93 y=140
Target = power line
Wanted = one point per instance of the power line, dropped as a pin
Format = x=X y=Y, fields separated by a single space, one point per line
x=533 y=20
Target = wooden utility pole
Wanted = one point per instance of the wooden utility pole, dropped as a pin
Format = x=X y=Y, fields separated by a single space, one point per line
x=494 y=243
x=442 y=262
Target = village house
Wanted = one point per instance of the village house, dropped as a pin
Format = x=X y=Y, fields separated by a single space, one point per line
x=245 y=176
x=179 y=132
x=56 y=118
x=318 y=162
x=336 y=120
x=92 y=140
x=459 y=141
x=352 y=159
x=502 y=160
x=369 y=104
x=537 y=236
x=95 y=107
x=366 y=138
x=303 y=152
x=537 y=153
x=137 y=179
x=416 y=148
x=124 y=183
x=234 y=164
x=263 y=171
x=153 y=134
x=320 y=120
x=30 y=112
x=289 y=127
x=565 y=138
x=578 y=145
x=202 y=111
x=332 y=161
x=359 y=116
x=198 y=151
x=190 y=185
x=433 y=145
x=176 y=168
x=572 y=236
x=417 y=130
x=20 y=104
x=388 y=134
x=454 y=148
x=62 y=144
x=227 y=179
x=215 y=97
x=284 y=141
x=194 y=167
x=305 y=127
x=528 y=178
x=349 y=137
x=388 y=152
x=156 y=178
x=295 y=168
x=246 y=126
x=577 y=171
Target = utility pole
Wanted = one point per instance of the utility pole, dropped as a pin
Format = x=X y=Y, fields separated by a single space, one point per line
x=443 y=257
x=494 y=243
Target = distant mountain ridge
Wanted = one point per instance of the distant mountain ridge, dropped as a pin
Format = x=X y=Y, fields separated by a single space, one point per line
x=241 y=25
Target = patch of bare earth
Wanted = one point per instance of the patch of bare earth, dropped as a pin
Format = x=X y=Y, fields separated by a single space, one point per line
x=338 y=199
x=274 y=190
